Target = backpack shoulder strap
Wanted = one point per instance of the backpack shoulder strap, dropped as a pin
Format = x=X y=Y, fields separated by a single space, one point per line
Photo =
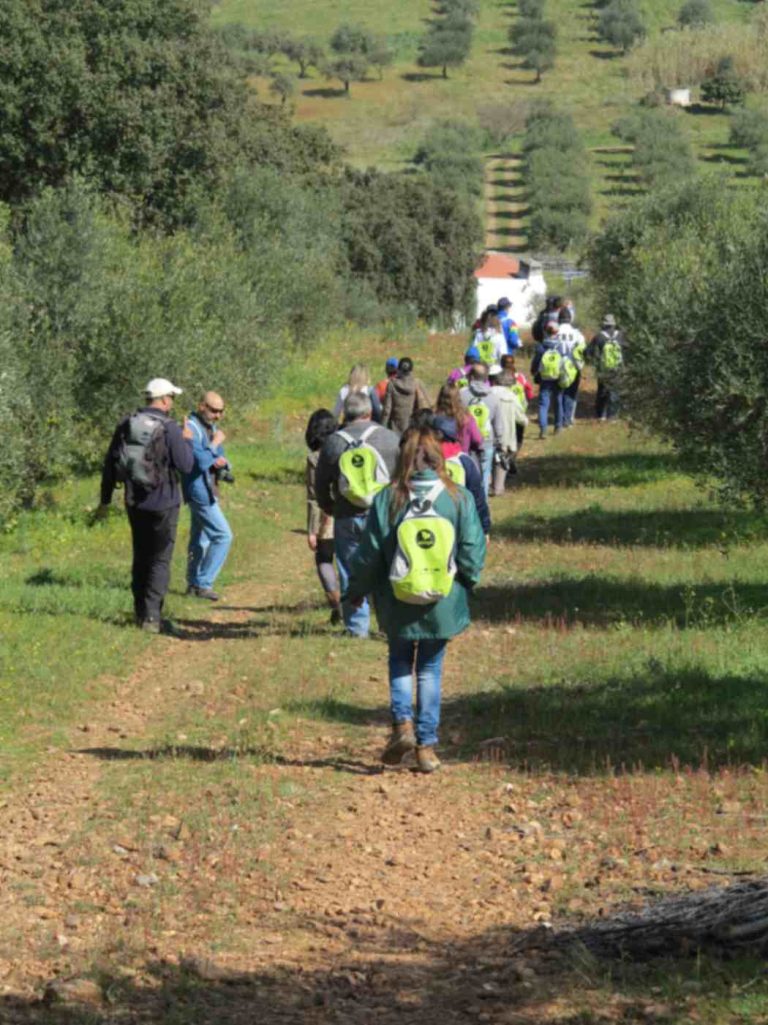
x=347 y=437
x=367 y=433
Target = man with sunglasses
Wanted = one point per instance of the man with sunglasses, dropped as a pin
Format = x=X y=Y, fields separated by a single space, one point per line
x=210 y=535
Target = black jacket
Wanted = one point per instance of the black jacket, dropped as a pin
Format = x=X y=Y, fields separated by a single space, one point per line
x=168 y=493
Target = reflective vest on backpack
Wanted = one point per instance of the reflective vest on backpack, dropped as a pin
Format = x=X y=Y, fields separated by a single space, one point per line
x=550 y=365
x=579 y=354
x=455 y=470
x=482 y=415
x=519 y=392
x=362 y=471
x=424 y=565
x=568 y=372
x=487 y=350
x=611 y=357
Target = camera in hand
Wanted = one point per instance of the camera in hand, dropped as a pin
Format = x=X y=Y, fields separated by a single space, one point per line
x=224 y=473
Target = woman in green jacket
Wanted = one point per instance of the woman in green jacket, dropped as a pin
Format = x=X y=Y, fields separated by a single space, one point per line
x=421 y=553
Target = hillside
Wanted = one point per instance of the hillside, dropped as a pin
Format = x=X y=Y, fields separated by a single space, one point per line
x=382 y=122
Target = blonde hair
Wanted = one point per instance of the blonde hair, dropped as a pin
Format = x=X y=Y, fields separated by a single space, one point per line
x=449 y=404
x=359 y=378
x=420 y=449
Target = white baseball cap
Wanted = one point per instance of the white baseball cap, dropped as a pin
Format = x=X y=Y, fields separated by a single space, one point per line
x=494 y=370
x=159 y=387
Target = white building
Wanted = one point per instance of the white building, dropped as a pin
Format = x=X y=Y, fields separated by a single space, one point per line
x=521 y=281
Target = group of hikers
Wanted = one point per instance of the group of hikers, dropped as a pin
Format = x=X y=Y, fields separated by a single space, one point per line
x=397 y=492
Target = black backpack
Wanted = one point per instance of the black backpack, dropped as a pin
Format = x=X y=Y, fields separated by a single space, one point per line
x=142 y=454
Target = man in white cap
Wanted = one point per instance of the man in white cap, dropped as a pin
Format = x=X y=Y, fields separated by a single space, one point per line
x=147 y=452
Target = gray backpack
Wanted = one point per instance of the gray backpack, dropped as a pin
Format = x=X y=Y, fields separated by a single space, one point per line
x=142 y=454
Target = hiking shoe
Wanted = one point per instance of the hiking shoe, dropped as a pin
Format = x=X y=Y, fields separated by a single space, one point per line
x=335 y=616
x=542 y=435
x=401 y=742
x=150 y=626
x=203 y=592
x=426 y=759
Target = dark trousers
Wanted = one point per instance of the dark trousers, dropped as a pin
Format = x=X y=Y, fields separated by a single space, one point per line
x=154 y=535
x=607 y=401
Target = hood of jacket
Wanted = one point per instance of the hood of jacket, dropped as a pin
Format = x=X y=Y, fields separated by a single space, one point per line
x=404 y=385
x=480 y=388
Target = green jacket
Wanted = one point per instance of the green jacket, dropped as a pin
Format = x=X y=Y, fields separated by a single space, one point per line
x=369 y=571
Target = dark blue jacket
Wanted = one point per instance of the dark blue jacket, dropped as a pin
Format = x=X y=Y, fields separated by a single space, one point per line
x=474 y=485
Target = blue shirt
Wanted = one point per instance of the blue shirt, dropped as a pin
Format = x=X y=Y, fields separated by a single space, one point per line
x=511 y=335
x=197 y=485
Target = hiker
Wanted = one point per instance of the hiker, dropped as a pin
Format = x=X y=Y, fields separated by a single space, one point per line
x=390 y=369
x=354 y=464
x=488 y=339
x=147 y=452
x=404 y=397
x=547 y=315
x=505 y=387
x=484 y=407
x=359 y=380
x=469 y=437
x=546 y=367
x=460 y=376
x=422 y=551
x=322 y=423
x=460 y=467
x=523 y=388
x=573 y=347
x=210 y=536
x=606 y=353
x=508 y=327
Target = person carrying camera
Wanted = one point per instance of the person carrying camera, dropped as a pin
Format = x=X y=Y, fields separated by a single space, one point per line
x=210 y=535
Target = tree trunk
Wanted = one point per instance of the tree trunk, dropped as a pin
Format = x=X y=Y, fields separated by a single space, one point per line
x=445 y=70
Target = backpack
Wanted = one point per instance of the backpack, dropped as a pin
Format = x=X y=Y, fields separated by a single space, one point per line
x=568 y=372
x=455 y=470
x=611 y=356
x=482 y=415
x=362 y=471
x=519 y=392
x=142 y=455
x=550 y=365
x=579 y=354
x=487 y=350
x=424 y=564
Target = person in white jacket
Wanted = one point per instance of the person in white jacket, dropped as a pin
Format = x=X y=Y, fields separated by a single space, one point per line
x=573 y=346
x=512 y=414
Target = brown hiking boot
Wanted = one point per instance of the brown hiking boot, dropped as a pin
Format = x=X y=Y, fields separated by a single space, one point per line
x=401 y=742
x=426 y=759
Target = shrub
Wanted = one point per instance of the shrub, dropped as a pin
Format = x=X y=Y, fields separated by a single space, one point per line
x=723 y=86
x=662 y=153
x=535 y=40
x=695 y=14
x=684 y=272
x=620 y=24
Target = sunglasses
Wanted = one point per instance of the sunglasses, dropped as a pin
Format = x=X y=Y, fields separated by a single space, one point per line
x=214 y=409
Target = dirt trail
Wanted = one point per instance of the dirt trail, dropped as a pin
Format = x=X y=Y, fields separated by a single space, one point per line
x=289 y=878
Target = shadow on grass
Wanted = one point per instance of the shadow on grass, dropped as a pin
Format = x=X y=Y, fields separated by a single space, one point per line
x=619 y=470
x=208 y=755
x=619 y=190
x=599 y=601
x=724 y=158
x=420 y=76
x=604 y=55
x=652 y=720
x=655 y=528
x=699 y=109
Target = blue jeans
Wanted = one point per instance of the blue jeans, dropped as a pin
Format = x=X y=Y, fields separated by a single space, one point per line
x=486 y=465
x=570 y=396
x=429 y=674
x=550 y=393
x=210 y=538
x=347 y=532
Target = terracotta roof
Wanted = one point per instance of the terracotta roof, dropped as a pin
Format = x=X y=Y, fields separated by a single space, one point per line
x=498 y=265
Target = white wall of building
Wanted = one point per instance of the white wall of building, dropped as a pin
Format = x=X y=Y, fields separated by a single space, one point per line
x=525 y=294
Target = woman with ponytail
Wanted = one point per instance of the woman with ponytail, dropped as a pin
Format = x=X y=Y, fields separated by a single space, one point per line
x=420 y=555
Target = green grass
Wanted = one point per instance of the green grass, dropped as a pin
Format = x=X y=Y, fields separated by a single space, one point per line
x=618 y=655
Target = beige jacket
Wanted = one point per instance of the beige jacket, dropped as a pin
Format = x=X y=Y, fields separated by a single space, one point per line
x=318 y=522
